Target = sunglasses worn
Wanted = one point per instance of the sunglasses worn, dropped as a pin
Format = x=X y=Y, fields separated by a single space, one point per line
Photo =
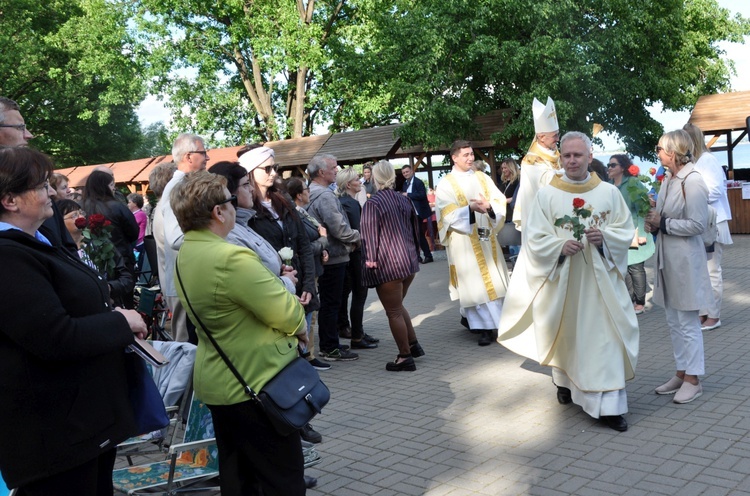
x=232 y=199
x=615 y=164
x=269 y=168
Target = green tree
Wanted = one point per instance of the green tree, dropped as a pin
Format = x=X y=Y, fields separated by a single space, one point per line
x=155 y=140
x=246 y=69
x=69 y=64
x=435 y=64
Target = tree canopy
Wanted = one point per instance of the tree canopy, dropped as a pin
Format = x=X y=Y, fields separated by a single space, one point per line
x=69 y=65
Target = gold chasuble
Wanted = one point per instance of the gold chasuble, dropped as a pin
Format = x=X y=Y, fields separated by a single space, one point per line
x=538 y=167
x=478 y=274
x=575 y=315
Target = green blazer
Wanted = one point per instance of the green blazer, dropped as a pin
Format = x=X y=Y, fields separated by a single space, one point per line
x=247 y=310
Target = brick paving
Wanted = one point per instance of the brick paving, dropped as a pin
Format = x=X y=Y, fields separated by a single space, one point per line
x=484 y=421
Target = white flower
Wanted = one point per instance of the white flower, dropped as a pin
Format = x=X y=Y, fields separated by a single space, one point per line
x=286 y=255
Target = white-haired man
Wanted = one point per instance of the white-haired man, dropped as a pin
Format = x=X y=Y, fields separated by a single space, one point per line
x=567 y=305
x=190 y=154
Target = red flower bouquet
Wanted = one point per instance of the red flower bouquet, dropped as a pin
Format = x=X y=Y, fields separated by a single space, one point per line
x=97 y=238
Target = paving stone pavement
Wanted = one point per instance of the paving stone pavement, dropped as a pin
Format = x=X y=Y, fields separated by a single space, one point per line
x=483 y=421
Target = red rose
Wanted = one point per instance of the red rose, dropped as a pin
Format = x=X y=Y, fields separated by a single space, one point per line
x=107 y=223
x=660 y=178
x=96 y=220
x=634 y=170
x=578 y=202
x=652 y=171
x=81 y=223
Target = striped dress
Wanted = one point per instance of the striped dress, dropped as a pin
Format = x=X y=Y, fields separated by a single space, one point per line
x=390 y=235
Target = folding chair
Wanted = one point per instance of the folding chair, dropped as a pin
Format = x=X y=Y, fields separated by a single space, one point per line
x=174 y=382
x=189 y=463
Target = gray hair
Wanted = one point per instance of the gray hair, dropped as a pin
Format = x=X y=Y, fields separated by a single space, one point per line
x=7 y=104
x=160 y=176
x=342 y=178
x=576 y=135
x=319 y=162
x=184 y=144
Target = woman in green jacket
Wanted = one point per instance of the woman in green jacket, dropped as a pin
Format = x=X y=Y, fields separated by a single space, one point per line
x=642 y=249
x=256 y=322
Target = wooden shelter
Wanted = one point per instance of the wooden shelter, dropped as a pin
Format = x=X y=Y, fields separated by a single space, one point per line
x=728 y=114
x=353 y=147
x=723 y=114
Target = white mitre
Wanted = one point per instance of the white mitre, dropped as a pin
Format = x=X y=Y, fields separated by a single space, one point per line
x=545 y=116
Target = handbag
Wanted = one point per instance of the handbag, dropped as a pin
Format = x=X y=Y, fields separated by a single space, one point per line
x=147 y=404
x=291 y=399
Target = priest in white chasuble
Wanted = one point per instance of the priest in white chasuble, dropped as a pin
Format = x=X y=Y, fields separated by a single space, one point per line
x=541 y=163
x=470 y=212
x=567 y=305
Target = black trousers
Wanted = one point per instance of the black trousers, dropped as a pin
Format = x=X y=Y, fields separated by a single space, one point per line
x=93 y=478
x=330 y=286
x=353 y=285
x=423 y=243
x=254 y=459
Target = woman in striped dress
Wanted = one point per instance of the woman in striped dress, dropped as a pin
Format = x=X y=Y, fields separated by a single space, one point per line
x=390 y=253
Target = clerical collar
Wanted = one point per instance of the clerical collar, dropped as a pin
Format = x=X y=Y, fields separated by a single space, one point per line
x=565 y=178
x=459 y=172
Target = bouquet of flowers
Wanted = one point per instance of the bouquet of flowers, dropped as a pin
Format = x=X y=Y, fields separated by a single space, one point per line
x=575 y=224
x=97 y=239
x=640 y=196
x=286 y=255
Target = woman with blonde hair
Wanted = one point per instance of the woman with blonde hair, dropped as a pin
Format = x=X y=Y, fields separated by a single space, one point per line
x=347 y=188
x=681 y=283
x=713 y=175
x=390 y=250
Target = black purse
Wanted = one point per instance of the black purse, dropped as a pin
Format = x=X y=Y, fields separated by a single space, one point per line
x=291 y=399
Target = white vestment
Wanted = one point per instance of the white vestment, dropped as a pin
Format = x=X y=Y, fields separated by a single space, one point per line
x=576 y=315
x=478 y=275
x=538 y=167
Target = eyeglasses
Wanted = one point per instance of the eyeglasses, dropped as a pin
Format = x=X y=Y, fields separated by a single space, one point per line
x=202 y=152
x=74 y=215
x=657 y=149
x=232 y=199
x=609 y=166
x=20 y=127
x=269 y=168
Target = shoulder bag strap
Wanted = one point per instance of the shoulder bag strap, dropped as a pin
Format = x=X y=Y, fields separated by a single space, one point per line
x=248 y=390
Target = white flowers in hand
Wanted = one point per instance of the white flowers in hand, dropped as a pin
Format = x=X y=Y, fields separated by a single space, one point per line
x=286 y=255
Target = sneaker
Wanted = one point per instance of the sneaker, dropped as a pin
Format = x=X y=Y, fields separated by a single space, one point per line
x=688 y=392
x=339 y=355
x=671 y=386
x=310 y=435
x=319 y=365
x=369 y=338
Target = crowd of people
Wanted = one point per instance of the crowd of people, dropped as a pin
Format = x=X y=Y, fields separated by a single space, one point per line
x=307 y=251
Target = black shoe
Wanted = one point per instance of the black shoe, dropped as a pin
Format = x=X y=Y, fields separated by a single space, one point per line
x=563 y=395
x=310 y=435
x=345 y=333
x=616 y=422
x=485 y=338
x=319 y=365
x=465 y=323
x=416 y=349
x=363 y=344
x=310 y=482
x=339 y=355
x=370 y=339
x=407 y=365
x=427 y=260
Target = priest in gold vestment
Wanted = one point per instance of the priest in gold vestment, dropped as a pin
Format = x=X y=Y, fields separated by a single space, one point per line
x=470 y=212
x=541 y=163
x=567 y=305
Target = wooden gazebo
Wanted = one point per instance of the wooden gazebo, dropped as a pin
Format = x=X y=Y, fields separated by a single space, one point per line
x=723 y=114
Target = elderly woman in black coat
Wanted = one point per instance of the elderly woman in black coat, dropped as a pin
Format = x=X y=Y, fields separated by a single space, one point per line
x=63 y=390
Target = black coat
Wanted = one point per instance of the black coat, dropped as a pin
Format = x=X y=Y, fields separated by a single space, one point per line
x=63 y=387
x=294 y=236
x=418 y=197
